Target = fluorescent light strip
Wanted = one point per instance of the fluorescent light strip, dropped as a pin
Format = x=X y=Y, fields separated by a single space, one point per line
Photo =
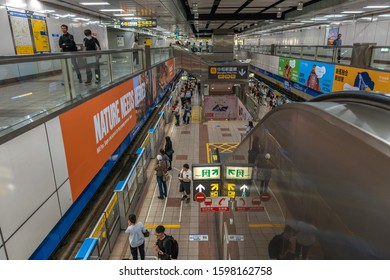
x=376 y=7
x=334 y=16
x=123 y=15
x=352 y=12
x=385 y=15
x=111 y=10
x=94 y=3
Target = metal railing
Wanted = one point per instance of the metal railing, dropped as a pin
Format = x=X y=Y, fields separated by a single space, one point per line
x=34 y=86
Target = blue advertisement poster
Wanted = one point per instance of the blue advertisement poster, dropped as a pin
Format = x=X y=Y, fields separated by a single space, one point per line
x=316 y=75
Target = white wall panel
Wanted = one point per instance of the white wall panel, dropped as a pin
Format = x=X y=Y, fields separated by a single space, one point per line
x=2 y=254
x=65 y=197
x=7 y=44
x=382 y=37
x=26 y=178
x=24 y=242
x=57 y=150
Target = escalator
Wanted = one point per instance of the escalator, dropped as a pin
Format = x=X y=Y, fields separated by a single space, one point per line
x=330 y=160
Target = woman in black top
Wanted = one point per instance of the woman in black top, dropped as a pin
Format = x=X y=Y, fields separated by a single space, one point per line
x=169 y=150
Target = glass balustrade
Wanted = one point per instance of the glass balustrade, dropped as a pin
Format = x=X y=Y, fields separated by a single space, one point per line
x=33 y=86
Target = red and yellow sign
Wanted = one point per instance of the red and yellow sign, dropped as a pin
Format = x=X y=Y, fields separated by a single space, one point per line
x=349 y=78
x=94 y=130
x=171 y=69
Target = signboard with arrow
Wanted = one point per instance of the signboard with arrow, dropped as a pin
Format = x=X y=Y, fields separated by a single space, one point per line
x=228 y=72
x=216 y=204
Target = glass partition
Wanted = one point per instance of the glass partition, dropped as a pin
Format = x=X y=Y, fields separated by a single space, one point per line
x=325 y=54
x=36 y=85
x=381 y=58
x=309 y=52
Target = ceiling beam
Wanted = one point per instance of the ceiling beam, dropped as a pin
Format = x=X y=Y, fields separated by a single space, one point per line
x=243 y=6
x=221 y=25
x=271 y=6
x=215 y=6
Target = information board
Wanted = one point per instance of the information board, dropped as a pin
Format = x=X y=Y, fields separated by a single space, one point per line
x=21 y=32
x=230 y=72
x=41 y=38
x=144 y=23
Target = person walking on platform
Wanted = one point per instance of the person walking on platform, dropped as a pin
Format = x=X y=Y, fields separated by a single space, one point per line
x=92 y=44
x=162 y=247
x=176 y=112
x=185 y=178
x=169 y=150
x=266 y=167
x=187 y=113
x=165 y=158
x=67 y=44
x=136 y=237
x=161 y=170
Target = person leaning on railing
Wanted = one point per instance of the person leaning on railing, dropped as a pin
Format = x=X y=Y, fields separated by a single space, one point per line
x=338 y=43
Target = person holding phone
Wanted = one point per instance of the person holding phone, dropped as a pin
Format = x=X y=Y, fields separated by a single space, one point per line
x=185 y=178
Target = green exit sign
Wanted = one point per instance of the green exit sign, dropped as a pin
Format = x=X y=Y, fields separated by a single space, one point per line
x=238 y=173
x=206 y=172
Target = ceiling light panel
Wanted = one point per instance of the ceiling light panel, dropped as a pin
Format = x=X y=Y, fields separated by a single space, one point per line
x=377 y=7
x=352 y=12
x=95 y=3
x=111 y=10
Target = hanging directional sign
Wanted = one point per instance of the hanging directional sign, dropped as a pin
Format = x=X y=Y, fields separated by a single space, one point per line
x=238 y=172
x=139 y=23
x=206 y=172
x=206 y=179
x=225 y=72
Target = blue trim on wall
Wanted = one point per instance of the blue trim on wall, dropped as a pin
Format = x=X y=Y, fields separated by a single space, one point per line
x=53 y=239
x=295 y=85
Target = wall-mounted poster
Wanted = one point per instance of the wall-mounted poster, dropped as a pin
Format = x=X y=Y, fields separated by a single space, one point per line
x=21 y=32
x=289 y=68
x=332 y=35
x=120 y=40
x=220 y=107
x=349 y=78
x=316 y=75
x=41 y=38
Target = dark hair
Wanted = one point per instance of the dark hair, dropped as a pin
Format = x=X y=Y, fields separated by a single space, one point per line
x=64 y=25
x=185 y=165
x=87 y=32
x=132 y=218
x=250 y=123
x=162 y=151
x=160 y=229
x=167 y=138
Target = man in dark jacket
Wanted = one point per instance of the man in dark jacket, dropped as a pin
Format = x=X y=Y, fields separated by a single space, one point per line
x=92 y=44
x=163 y=246
x=67 y=44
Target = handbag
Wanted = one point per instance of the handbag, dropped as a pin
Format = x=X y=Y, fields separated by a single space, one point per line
x=146 y=233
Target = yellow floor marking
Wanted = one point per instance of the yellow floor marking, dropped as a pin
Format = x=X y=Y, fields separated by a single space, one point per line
x=196 y=114
x=153 y=226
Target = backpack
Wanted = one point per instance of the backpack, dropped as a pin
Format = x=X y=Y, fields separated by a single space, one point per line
x=175 y=246
x=90 y=45
x=274 y=246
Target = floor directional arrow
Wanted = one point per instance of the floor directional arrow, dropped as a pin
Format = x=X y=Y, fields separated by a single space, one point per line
x=244 y=188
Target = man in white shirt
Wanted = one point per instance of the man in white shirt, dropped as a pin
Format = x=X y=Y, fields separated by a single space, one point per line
x=185 y=178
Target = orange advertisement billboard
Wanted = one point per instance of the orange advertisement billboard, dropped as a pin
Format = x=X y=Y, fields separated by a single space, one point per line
x=349 y=78
x=93 y=131
x=171 y=69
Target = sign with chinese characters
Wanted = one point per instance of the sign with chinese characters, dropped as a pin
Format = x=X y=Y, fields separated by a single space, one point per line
x=199 y=237
x=236 y=237
x=142 y=23
x=228 y=72
x=249 y=204
x=206 y=173
x=238 y=173
x=216 y=204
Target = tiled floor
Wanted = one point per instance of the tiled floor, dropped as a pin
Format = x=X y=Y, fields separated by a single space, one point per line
x=189 y=143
